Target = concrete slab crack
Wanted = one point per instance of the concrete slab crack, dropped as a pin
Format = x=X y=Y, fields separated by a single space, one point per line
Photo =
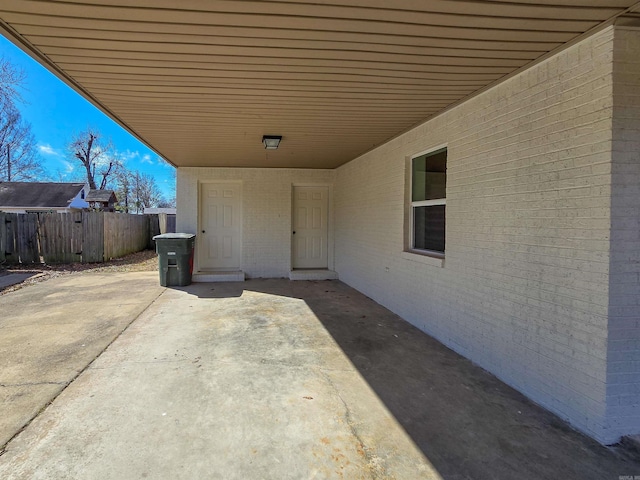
x=376 y=464
x=32 y=384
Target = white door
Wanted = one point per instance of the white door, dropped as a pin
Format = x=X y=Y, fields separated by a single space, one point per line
x=310 y=231
x=220 y=227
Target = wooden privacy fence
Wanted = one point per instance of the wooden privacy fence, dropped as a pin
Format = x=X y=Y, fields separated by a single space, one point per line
x=71 y=237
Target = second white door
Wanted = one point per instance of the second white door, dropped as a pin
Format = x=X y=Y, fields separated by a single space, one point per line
x=310 y=228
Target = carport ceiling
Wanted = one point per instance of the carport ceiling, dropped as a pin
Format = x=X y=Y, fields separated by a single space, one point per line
x=200 y=81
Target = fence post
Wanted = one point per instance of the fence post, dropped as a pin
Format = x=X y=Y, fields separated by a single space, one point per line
x=154 y=228
x=3 y=238
x=28 y=245
x=10 y=229
x=92 y=237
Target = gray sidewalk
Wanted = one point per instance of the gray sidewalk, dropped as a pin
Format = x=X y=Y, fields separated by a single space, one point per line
x=271 y=379
x=10 y=279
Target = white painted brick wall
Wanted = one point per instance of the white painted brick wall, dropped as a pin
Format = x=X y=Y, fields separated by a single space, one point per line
x=523 y=290
x=623 y=386
x=535 y=205
x=266 y=211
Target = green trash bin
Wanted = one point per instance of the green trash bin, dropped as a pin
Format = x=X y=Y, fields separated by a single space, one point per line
x=175 y=258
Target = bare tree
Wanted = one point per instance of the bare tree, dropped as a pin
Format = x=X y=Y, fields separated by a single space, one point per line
x=136 y=191
x=145 y=191
x=124 y=190
x=96 y=156
x=167 y=202
x=19 y=159
x=11 y=81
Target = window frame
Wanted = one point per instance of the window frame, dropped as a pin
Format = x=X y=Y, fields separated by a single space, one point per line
x=413 y=205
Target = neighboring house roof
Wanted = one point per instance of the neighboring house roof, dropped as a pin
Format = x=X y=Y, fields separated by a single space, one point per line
x=101 y=196
x=168 y=211
x=38 y=195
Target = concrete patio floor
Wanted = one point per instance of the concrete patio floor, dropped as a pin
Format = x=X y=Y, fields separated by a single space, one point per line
x=272 y=379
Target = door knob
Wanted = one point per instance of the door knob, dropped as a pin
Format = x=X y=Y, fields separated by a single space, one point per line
x=294 y=232
x=203 y=231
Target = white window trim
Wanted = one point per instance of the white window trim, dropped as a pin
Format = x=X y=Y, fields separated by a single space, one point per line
x=435 y=259
x=436 y=255
x=429 y=203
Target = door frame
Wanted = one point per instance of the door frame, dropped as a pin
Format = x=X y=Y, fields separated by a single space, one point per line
x=201 y=183
x=330 y=225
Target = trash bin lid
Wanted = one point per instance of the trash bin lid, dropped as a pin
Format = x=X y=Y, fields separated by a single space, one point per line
x=174 y=236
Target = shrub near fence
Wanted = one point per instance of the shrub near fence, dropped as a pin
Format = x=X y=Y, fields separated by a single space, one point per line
x=71 y=237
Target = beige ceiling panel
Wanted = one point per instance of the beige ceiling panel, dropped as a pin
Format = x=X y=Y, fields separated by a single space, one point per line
x=201 y=81
x=592 y=10
x=105 y=29
x=199 y=61
x=258 y=52
x=589 y=10
x=305 y=15
x=168 y=69
x=303 y=79
x=176 y=43
x=241 y=87
x=484 y=27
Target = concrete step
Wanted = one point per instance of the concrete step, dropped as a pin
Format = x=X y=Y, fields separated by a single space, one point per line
x=313 y=274
x=203 y=277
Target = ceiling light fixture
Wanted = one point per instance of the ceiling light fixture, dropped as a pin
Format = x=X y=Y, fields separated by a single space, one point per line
x=271 y=142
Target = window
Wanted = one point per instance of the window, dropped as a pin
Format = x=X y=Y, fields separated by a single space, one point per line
x=428 y=201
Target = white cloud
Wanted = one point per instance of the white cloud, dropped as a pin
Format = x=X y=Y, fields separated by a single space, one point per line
x=48 y=150
x=128 y=155
x=163 y=163
x=148 y=158
x=68 y=166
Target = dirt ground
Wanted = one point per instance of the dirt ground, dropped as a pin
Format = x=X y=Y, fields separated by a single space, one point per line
x=145 y=261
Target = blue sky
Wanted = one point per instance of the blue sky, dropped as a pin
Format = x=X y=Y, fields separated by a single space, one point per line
x=56 y=113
